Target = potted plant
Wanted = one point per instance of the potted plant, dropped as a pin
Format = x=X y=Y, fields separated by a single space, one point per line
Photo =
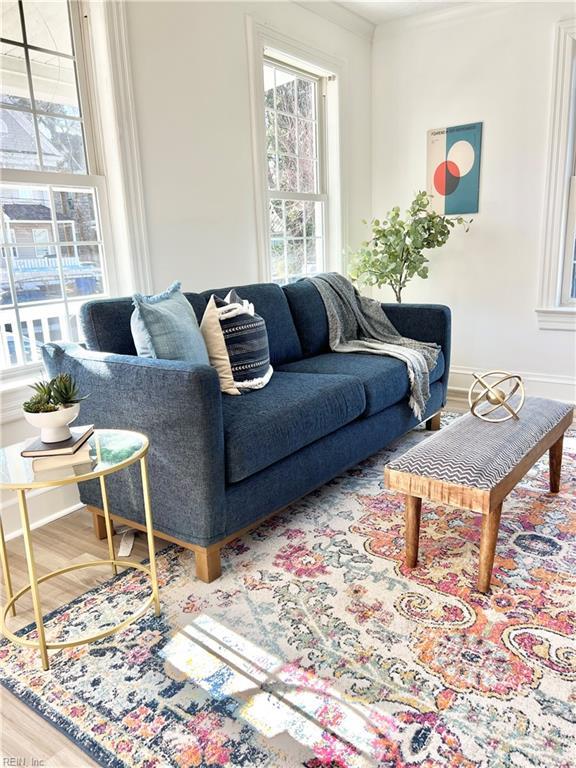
x=395 y=252
x=54 y=406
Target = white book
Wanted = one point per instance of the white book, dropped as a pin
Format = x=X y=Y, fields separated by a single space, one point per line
x=82 y=456
x=57 y=473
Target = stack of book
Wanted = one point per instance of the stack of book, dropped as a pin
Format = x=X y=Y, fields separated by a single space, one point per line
x=51 y=458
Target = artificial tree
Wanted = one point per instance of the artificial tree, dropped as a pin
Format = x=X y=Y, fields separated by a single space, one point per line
x=395 y=252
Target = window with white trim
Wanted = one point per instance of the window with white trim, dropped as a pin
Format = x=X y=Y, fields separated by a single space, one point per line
x=51 y=199
x=568 y=295
x=295 y=155
x=557 y=285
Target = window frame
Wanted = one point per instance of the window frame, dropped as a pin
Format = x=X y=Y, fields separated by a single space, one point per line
x=92 y=179
x=82 y=87
x=265 y=40
x=321 y=196
x=109 y=273
x=103 y=61
x=569 y=260
x=556 y=310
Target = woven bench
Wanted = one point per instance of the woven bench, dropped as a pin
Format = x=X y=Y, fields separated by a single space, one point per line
x=473 y=464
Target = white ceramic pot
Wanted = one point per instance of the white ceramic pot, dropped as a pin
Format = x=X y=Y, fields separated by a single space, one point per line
x=53 y=426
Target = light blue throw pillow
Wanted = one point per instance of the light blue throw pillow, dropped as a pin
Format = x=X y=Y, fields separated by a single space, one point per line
x=165 y=326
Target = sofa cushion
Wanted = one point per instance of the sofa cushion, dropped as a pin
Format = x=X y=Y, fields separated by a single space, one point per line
x=295 y=409
x=271 y=304
x=237 y=343
x=385 y=379
x=165 y=327
x=106 y=323
x=309 y=316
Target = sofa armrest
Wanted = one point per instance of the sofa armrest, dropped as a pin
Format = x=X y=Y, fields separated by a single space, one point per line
x=424 y=322
x=178 y=406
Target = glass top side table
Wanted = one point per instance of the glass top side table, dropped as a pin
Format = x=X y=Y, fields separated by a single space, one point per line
x=110 y=450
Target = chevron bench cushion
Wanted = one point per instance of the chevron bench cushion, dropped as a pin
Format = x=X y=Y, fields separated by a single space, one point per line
x=478 y=454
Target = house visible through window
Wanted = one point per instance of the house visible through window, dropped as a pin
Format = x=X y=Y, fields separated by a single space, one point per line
x=294 y=120
x=51 y=233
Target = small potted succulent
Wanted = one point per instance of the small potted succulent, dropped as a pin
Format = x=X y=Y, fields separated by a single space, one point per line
x=54 y=406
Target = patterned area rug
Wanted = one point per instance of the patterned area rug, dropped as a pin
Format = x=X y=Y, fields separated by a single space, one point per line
x=318 y=648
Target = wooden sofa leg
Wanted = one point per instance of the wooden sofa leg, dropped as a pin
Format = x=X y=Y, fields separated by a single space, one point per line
x=433 y=424
x=99 y=524
x=208 y=566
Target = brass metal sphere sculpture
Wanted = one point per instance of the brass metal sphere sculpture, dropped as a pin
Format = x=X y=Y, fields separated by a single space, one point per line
x=494 y=390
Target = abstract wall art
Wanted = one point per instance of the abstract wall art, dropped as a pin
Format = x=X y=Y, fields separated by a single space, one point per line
x=453 y=168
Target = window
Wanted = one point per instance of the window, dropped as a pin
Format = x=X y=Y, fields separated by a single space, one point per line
x=557 y=301
x=50 y=198
x=569 y=277
x=295 y=152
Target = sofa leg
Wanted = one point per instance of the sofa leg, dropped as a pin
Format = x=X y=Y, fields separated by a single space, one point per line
x=433 y=424
x=99 y=525
x=208 y=566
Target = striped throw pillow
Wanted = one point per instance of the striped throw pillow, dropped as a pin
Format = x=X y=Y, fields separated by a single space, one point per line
x=237 y=343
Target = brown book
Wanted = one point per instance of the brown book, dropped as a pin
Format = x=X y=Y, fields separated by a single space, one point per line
x=64 y=448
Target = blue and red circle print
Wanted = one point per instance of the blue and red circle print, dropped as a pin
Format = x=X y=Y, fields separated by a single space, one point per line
x=454 y=168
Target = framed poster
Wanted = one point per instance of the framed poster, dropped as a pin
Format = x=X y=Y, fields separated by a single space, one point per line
x=453 y=168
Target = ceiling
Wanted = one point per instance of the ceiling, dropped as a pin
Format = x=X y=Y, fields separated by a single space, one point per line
x=379 y=12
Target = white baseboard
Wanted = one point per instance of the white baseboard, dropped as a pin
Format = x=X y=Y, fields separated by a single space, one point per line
x=45 y=520
x=458 y=395
x=44 y=505
x=536 y=384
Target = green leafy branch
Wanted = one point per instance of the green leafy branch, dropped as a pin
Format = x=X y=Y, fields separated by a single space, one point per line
x=394 y=253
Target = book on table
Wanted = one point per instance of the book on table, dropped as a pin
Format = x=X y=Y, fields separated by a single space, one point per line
x=82 y=456
x=58 y=473
x=78 y=437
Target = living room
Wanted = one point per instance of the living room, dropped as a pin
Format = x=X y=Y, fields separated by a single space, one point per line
x=273 y=553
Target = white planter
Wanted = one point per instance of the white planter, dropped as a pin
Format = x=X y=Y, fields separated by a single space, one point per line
x=53 y=426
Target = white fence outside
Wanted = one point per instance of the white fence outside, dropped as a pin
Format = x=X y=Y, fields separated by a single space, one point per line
x=39 y=324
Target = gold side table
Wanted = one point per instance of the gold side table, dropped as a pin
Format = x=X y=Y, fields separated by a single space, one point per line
x=111 y=450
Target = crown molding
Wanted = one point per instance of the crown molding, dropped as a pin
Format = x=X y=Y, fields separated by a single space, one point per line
x=342 y=17
x=445 y=15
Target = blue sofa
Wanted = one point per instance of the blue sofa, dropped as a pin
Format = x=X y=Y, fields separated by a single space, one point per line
x=219 y=463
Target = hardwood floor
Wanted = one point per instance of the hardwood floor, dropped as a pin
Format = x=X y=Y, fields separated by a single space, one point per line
x=24 y=736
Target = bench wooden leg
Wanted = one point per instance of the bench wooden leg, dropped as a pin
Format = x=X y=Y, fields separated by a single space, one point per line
x=490 y=526
x=100 y=525
x=208 y=566
x=412 y=516
x=556 y=464
x=433 y=424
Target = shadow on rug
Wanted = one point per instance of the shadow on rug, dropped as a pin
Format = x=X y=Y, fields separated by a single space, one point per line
x=317 y=648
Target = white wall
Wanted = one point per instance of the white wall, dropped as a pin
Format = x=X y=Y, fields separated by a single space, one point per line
x=192 y=91
x=492 y=65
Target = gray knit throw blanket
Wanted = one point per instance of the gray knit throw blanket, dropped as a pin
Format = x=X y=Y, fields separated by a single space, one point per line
x=359 y=324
